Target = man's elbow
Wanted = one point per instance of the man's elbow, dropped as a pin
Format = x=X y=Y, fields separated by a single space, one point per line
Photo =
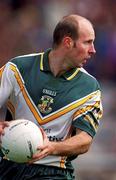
x=86 y=146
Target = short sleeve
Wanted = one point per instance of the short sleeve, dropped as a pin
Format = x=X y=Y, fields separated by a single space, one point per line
x=88 y=116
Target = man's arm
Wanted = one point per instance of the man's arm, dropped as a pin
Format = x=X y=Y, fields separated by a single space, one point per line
x=75 y=145
x=5 y=89
x=3 y=124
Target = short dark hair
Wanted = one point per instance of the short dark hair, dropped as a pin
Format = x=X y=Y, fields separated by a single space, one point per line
x=66 y=27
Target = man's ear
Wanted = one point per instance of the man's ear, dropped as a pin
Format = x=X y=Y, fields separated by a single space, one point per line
x=68 y=42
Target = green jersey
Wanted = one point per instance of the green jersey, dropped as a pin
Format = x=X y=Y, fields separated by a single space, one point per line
x=57 y=104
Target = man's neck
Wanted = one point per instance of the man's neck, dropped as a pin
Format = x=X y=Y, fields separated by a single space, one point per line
x=57 y=63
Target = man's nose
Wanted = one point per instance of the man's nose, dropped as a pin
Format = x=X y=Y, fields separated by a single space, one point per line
x=92 y=49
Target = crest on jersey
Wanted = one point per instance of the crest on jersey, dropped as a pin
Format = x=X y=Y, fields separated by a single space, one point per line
x=45 y=104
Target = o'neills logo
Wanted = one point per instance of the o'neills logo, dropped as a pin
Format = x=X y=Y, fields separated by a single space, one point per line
x=45 y=104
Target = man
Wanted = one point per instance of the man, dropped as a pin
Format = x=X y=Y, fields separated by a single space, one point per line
x=53 y=90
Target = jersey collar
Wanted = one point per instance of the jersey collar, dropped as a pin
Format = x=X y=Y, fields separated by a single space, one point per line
x=44 y=66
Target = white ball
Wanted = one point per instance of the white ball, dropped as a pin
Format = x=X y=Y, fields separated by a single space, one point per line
x=20 y=140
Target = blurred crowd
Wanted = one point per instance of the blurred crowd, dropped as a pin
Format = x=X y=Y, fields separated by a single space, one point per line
x=26 y=26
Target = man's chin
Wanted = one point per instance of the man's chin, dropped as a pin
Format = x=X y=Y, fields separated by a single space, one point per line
x=82 y=64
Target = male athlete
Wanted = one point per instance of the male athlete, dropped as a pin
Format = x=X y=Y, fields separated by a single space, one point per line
x=53 y=90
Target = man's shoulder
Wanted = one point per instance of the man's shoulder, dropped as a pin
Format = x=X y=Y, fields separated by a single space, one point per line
x=26 y=61
x=89 y=80
x=87 y=74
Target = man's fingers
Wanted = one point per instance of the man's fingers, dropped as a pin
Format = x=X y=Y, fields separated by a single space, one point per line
x=38 y=156
x=43 y=133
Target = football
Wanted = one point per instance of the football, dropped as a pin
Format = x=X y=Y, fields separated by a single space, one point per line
x=20 y=140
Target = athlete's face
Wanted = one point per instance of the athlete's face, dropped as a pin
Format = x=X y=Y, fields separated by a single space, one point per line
x=83 y=48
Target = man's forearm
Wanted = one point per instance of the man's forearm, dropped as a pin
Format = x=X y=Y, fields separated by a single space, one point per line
x=75 y=145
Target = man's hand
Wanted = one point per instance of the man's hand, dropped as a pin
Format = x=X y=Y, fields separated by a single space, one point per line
x=43 y=151
x=3 y=124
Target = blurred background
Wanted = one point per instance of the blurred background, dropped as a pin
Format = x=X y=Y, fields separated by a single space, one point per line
x=26 y=26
